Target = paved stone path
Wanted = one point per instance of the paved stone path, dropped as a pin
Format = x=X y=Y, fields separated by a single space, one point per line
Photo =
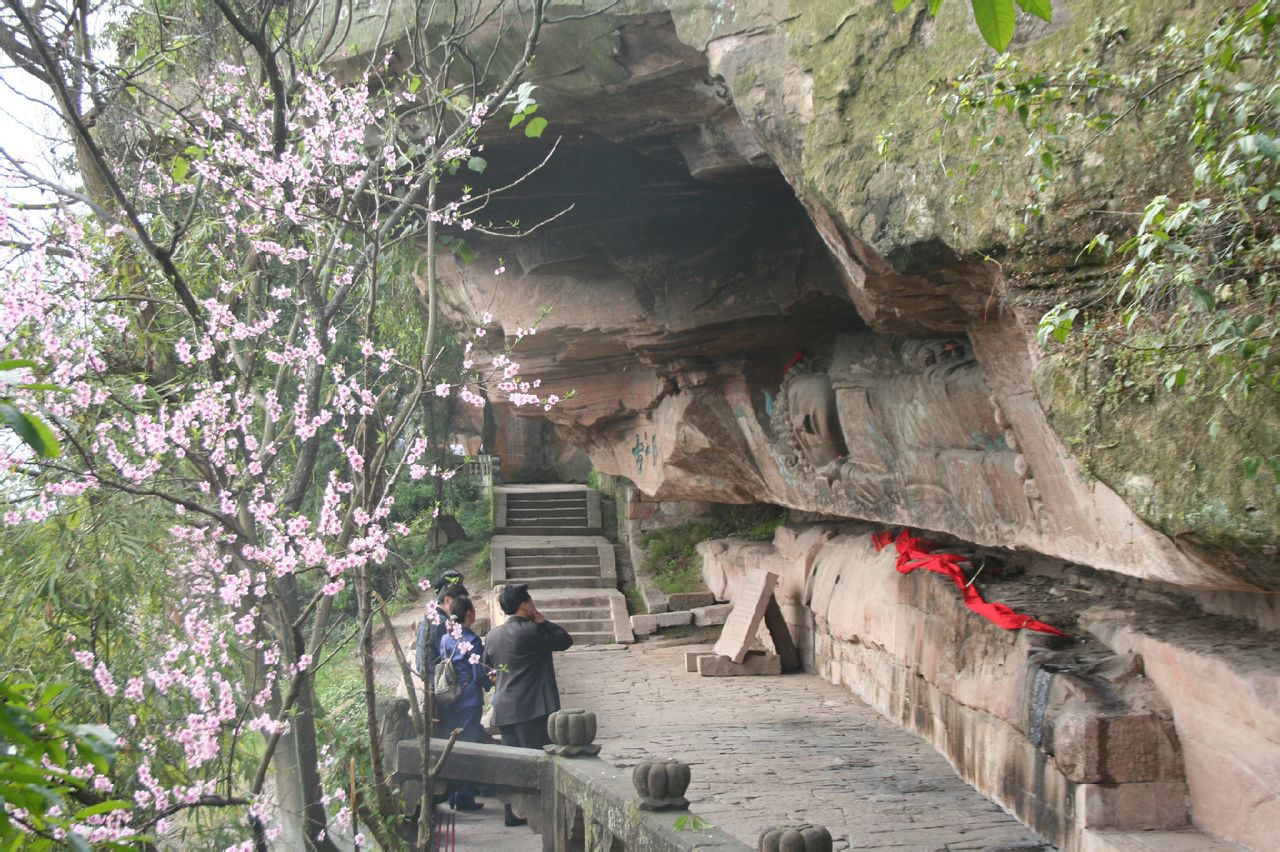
x=764 y=751
x=770 y=750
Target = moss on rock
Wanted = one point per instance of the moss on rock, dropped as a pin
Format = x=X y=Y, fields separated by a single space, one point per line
x=1160 y=452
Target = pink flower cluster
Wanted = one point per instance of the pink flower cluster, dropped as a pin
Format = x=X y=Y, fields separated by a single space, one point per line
x=259 y=381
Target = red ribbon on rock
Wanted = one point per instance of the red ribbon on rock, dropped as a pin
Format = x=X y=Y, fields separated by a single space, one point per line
x=915 y=552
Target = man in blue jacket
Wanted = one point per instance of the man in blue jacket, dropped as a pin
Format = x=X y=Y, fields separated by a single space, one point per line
x=520 y=650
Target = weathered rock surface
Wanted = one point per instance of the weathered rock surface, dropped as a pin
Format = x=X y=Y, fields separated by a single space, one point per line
x=729 y=209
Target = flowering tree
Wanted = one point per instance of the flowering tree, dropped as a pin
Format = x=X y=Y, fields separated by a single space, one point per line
x=207 y=319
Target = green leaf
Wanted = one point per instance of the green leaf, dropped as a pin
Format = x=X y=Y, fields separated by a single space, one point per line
x=477 y=164
x=178 y=171
x=535 y=127
x=1040 y=8
x=934 y=6
x=899 y=5
x=460 y=249
x=995 y=21
x=30 y=430
x=1251 y=465
x=1203 y=298
x=102 y=808
x=49 y=441
x=16 y=364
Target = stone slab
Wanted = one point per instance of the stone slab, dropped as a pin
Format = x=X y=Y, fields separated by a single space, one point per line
x=711 y=616
x=689 y=600
x=643 y=625
x=714 y=665
x=618 y=614
x=748 y=611
x=654 y=598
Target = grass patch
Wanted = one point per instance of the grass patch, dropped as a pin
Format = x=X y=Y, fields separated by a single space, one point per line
x=474 y=511
x=635 y=600
x=340 y=720
x=671 y=555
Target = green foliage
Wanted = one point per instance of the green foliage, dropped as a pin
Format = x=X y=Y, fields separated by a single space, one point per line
x=341 y=724
x=464 y=499
x=29 y=428
x=1192 y=279
x=690 y=822
x=635 y=600
x=996 y=19
x=671 y=555
x=38 y=751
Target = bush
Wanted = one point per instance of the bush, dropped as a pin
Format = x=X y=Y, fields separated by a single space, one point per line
x=671 y=555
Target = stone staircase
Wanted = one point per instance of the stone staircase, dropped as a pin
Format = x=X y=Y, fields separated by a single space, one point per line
x=548 y=537
x=556 y=510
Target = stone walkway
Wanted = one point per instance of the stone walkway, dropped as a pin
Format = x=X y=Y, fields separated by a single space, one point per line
x=764 y=751
x=772 y=750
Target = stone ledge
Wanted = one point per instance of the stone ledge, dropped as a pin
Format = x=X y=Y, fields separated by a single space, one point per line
x=711 y=616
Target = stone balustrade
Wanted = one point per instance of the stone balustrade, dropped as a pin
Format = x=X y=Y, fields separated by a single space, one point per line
x=575 y=803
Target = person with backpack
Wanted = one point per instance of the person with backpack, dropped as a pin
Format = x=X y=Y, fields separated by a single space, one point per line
x=427 y=645
x=462 y=650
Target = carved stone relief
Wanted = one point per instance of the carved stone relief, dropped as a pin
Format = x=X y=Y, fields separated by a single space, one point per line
x=902 y=429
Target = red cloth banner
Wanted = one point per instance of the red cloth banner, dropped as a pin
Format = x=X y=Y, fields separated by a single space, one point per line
x=915 y=552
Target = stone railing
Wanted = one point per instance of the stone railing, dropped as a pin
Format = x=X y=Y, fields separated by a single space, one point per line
x=580 y=803
x=575 y=803
x=481 y=467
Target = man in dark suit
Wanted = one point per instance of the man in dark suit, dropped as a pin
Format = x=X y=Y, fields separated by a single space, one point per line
x=526 y=693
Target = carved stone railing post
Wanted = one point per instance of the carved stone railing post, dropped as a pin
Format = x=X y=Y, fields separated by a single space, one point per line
x=795 y=838
x=661 y=784
x=571 y=731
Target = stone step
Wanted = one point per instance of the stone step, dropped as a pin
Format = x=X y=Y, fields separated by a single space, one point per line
x=520 y=557
x=521 y=573
x=546 y=508
x=560 y=582
x=546 y=529
x=514 y=509
x=560 y=614
x=555 y=599
x=553 y=550
x=577 y=626
x=579 y=497
x=548 y=517
x=605 y=638
x=546 y=520
x=578 y=502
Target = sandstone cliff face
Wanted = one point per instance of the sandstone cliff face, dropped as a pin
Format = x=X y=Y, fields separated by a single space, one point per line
x=729 y=210
x=754 y=304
